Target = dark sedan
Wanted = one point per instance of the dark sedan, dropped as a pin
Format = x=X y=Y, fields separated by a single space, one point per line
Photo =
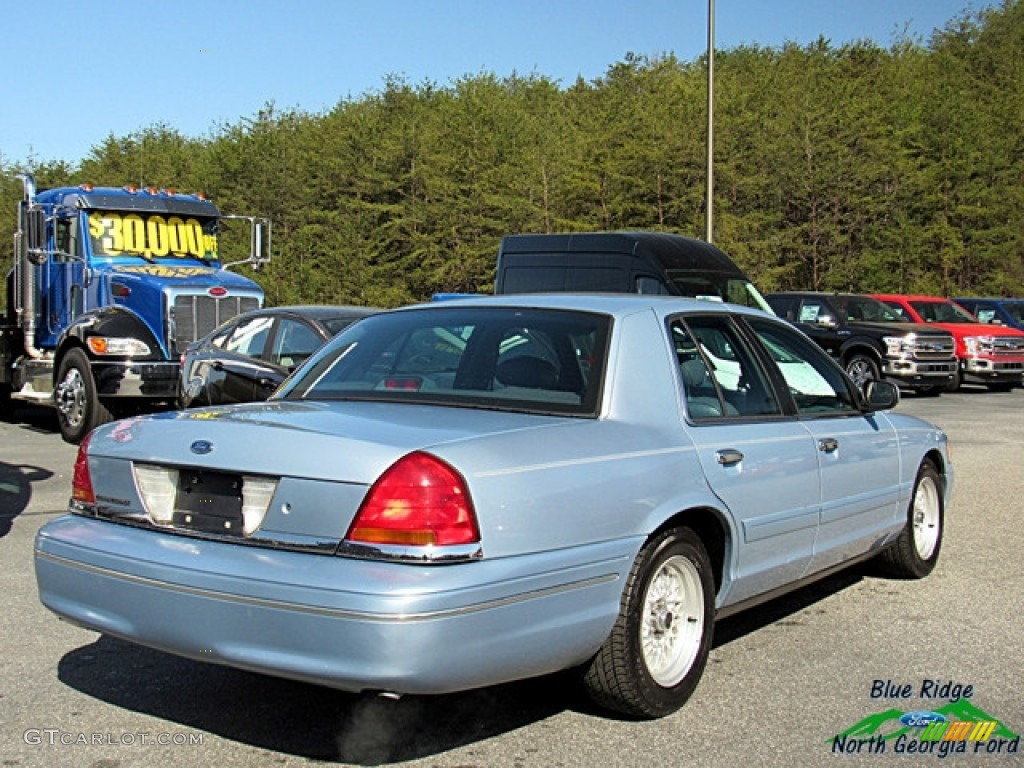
x=246 y=358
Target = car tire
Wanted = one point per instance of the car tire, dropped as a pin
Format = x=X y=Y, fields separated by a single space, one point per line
x=916 y=551
x=654 y=657
x=862 y=368
x=79 y=408
x=1002 y=386
x=930 y=391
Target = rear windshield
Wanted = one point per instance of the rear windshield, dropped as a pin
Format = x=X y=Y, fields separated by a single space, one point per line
x=543 y=361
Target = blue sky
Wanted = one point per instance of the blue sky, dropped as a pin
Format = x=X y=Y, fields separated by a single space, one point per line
x=76 y=71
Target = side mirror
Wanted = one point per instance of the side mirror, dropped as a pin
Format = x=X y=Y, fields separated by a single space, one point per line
x=259 y=242
x=827 y=321
x=881 y=395
x=35 y=235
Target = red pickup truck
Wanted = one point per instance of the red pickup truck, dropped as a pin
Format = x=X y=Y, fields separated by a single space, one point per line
x=993 y=356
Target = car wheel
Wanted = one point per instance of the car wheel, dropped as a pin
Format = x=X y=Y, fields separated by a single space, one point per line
x=916 y=551
x=655 y=655
x=862 y=369
x=79 y=408
x=1002 y=386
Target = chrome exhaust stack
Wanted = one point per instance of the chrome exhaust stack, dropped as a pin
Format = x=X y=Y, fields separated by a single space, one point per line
x=24 y=269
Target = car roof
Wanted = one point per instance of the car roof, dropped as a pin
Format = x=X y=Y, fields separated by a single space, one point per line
x=910 y=297
x=996 y=299
x=314 y=311
x=618 y=304
x=670 y=250
x=833 y=294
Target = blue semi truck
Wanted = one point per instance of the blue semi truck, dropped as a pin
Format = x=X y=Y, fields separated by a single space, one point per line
x=108 y=287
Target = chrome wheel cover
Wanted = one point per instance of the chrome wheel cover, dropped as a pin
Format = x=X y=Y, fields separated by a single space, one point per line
x=925 y=517
x=673 y=621
x=70 y=397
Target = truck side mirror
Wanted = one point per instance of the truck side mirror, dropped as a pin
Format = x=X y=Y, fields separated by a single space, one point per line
x=35 y=233
x=827 y=321
x=259 y=240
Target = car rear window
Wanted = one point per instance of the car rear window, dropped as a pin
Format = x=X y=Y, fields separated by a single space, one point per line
x=545 y=361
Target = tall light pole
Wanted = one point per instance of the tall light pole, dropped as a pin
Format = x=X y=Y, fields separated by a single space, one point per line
x=711 y=122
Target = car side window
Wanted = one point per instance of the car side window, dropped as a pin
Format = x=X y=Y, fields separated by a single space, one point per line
x=249 y=337
x=645 y=284
x=721 y=375
x=985 y=314
x=817 y=385
x=814 y=313
x=293 y=343
x=222 y=336
x=901 y=313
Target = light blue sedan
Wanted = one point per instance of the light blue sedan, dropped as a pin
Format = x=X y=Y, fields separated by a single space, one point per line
x=481 y=490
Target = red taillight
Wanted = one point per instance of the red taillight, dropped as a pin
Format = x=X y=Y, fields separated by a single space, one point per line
x=81 y=482
x=419 y=501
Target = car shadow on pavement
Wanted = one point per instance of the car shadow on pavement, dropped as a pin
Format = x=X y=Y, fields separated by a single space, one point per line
x=16 y=490
x=780 y=609
x=302 y=719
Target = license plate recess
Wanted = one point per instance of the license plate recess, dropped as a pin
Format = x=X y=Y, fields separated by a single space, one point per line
x=209 y=501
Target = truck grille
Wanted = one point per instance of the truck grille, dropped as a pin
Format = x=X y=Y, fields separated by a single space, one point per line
x=933 y=348
x=1004 y=345
x=194 y=316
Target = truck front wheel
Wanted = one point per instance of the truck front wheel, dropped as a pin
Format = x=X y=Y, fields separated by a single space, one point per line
x=79 y=408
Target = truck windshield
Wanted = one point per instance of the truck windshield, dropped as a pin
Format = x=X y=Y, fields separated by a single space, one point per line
x=152 y=235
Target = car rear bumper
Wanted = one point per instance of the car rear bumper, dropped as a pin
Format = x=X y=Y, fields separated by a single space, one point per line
x=349 y=624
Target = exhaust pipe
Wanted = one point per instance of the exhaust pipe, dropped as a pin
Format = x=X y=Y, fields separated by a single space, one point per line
x=28 y=181
x=26 y=269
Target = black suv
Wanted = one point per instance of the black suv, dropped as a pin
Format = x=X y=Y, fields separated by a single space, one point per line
x=870 y=341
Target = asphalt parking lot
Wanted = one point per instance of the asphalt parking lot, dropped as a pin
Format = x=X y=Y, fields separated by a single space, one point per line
x=783 y=679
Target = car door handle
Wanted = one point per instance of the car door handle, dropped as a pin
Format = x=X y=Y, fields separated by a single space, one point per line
x=728 y=456
x=828 y=445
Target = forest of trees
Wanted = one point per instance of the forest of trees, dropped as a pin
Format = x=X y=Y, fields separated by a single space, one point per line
x=836 y=168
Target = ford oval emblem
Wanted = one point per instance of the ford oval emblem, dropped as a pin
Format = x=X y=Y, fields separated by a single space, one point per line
x=202 y=447
x=921 y=718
